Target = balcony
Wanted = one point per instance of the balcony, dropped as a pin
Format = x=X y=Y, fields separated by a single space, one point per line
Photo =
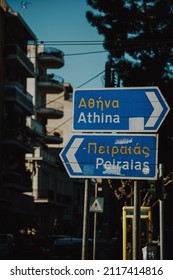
x=53 y=139
x=68 y=92
x=50 y=84
x=19 y=27
x=54 y=111
x=17 y=180
x=18 y=138
x=35 y=127
x=35 y=131
x=18 y=60
x=51 y=58
x=40 y=154
x=54 y=136
x=14 y=92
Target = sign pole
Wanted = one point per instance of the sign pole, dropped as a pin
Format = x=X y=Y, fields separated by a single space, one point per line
x=95 y=226
x=161 y=213
x=136 y=223
x=85 y=221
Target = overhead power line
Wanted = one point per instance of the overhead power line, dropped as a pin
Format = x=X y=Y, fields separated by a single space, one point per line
x=71 y=42
x=127 y=41
x=84 y=53
x=91 y=79
x=124 y=45
x=51 y=101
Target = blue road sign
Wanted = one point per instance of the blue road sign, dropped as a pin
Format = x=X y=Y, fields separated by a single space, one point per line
x=111 y=156
x=119 y=109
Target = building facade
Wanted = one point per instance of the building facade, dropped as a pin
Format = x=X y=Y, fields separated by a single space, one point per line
x=36 y=194
x=16 y=207
x=54 y=193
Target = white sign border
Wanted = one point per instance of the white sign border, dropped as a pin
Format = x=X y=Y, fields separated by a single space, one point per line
x=115 y=177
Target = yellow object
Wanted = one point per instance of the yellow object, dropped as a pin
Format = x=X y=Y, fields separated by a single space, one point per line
x=127 y=223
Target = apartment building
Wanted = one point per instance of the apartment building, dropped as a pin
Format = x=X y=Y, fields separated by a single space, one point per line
x=54 y=192
x=36 y=194
x=16 y=207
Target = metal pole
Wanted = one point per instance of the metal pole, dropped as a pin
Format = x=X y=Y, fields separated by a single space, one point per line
x=85 y=222
x=136 y=223
x=161 y=229
x=161 y=213
x=124 y=235
x=95 y=227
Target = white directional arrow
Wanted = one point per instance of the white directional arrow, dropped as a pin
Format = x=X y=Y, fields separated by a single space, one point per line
x=157 y=109
x=71 y=155
x=138 y=109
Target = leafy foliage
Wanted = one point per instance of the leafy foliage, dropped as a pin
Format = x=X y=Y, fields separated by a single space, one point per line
x=138 y=37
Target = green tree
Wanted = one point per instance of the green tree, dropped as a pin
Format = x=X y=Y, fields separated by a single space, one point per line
x=138 y=35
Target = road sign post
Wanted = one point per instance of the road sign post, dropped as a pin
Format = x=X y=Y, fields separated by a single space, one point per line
x=85 y=222
x=137 y=223
x=123 y=156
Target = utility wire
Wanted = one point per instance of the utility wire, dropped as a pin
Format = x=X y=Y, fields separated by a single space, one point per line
x=125 y=47
x=60 y=125
x=130 y=47
x=84 y=53
x=91 y=79
x=61 y=97
x=127 y=42
x=74 y=42
x=42 y=106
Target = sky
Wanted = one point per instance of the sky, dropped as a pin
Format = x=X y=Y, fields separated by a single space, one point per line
x=65 y=20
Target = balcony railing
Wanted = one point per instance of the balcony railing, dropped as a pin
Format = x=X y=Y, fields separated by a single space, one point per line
x=35 y=126
x=18 y=59
x=51 y=57
x=18 y=138
x=44 y=155
x=15 y=92
x=50 y=113
x=50 y=83
x=54 y=110
x=18 y=180
x=54 y=135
